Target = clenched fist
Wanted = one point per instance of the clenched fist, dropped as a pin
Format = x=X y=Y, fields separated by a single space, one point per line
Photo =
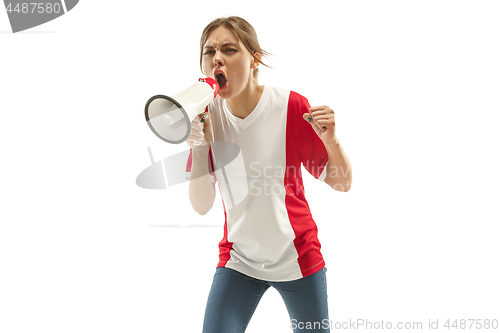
x=201 y=131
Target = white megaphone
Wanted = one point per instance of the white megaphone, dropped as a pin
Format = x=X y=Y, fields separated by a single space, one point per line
x=170 y=117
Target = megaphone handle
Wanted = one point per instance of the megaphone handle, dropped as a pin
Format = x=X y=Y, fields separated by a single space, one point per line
x=202 y=120
x=196 y=143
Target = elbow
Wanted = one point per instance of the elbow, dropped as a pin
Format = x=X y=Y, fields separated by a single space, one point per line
x=201 y=199
x=202 y=210
x=201 y=207
x=340 y=187
x=346 y=188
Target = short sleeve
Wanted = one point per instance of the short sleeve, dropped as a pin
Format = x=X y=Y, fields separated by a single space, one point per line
x=210 y=161
x=313 y=154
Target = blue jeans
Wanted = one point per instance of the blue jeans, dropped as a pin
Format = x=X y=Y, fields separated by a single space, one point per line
x=234 y=296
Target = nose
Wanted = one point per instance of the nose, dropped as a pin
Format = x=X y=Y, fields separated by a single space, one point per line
x=218 y=62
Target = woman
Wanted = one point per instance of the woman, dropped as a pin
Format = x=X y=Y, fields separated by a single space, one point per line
x=270 y=238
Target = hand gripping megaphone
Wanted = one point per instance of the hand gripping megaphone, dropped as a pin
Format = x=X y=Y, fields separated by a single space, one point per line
x=170 y=117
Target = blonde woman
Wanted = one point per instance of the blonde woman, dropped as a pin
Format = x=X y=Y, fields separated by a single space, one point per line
x=270 y=238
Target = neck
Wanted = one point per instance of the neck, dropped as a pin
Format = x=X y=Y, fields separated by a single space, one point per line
x=245 y=102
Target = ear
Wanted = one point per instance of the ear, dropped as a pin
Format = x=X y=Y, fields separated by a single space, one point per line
x=255 y=63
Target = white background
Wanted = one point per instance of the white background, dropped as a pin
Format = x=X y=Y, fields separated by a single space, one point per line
x=415 y=88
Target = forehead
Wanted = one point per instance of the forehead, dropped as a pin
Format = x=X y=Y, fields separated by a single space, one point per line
x=221 y=35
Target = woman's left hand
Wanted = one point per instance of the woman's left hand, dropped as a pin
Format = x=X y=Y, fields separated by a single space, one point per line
x=322 y=119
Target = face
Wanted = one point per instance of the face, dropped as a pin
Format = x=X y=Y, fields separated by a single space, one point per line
x=226 y=60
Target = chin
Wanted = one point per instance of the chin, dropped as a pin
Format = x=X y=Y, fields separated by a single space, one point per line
x=224 y=94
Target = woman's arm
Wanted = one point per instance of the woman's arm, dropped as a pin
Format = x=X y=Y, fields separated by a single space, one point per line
x=201 y=188
x=338 y=173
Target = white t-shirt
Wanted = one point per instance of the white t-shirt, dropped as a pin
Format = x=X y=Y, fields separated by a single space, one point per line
x=269 y=232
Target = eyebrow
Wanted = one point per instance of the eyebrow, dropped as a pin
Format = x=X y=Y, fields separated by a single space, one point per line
x=223 y=45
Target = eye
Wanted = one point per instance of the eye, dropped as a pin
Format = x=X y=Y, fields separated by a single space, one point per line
x=208 y=52
x=230 y=50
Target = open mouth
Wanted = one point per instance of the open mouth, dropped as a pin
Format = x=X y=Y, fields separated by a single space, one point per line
x=221 y=79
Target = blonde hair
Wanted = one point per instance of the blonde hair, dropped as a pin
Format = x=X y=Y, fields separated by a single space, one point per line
x=245 y=32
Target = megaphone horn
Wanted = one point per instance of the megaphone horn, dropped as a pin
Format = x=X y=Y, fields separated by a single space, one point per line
x=170 y=117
